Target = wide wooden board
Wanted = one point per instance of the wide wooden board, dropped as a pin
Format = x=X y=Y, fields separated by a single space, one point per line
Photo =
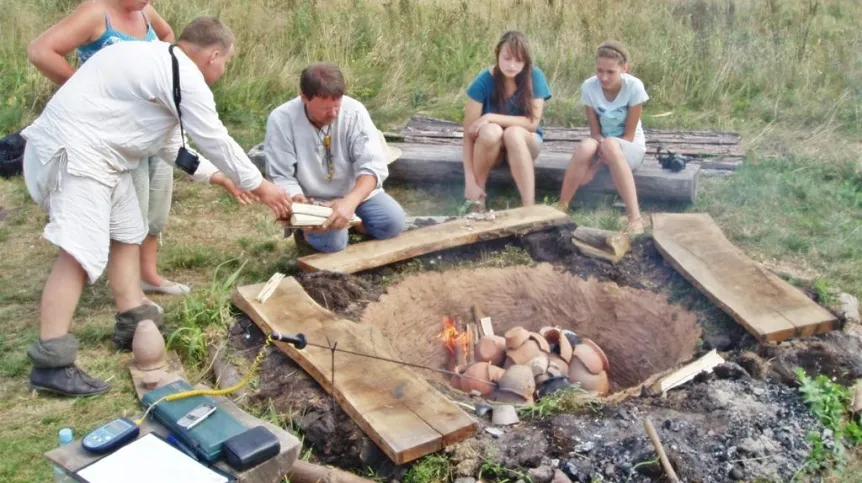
x=423 y=163
x=397 y=408
x=767 y=306
x=376 y=253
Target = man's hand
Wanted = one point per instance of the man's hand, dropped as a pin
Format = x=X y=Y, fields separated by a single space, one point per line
x=300 y=198
x=243 y=197
x=273 y=196
x=343 y=210
x=473 y=130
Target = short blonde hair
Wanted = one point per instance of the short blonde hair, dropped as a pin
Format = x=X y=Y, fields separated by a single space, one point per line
x=206 y=32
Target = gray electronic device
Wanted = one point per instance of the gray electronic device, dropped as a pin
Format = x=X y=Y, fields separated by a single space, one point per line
x=196 y=415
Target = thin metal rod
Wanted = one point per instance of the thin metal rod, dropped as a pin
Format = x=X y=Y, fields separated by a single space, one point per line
x=395 y=361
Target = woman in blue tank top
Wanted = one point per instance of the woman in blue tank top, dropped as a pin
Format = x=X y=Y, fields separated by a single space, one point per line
x=94 y=25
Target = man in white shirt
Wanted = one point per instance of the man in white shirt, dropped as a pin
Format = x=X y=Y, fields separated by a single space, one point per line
x=323 y=146
x=117 y=109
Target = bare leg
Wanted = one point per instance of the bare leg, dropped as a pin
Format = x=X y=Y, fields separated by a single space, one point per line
x=522 y=148
x=124 y=275
x=580 y=170
x=60 y=296
x=486 y=152
x=621 y=173
x=149 y=258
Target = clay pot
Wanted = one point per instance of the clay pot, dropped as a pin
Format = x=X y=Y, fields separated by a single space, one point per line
x=152 y=378
x=491 y=348
x=480 y=371
x=579 y=374
x=508 y=397
x=519 y=379
x=573 y=338
x=456 y=379
x=589 y=357
x=599 y=350
x=495 y=373
x=557 y=365
x=555 y=338
x=508 y=363
x=528 y=351
x=543 y=343
x=504 y=415
x=553 y=385
x=148 y=346
x=539 y=365
x=541 y=378
x=516 y=337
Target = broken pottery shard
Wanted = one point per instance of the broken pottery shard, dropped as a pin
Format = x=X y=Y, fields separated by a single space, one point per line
x=505 y=415
x=495 y=432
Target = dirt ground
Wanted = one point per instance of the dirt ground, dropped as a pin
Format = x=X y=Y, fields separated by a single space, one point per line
x=744 y=422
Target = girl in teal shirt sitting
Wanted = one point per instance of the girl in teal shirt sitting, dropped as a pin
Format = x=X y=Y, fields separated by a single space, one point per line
x=502 y=120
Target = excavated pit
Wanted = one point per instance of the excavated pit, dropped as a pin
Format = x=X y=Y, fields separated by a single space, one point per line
x=641 y=333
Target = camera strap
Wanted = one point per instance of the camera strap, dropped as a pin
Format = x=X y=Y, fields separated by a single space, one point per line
x=175 y=65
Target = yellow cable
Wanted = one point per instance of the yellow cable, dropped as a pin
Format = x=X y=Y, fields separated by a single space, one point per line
x=215 y=392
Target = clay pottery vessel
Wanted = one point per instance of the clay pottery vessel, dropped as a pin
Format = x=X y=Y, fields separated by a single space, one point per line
x=504 y=415
x=491 y=348
x=557 y=364
x=552 y=385
x=528 y=351
x=151 y=379
x=589 y=357
x=515 y=337
x=579 y=374
x=477 y=373
x=508 y=397
x=520 y=380
x=573 y=338
x=148 y=346
x=559 y=344
x=539 y=365
x=508 y=363
x=456 y=379
x=598 y=350
x=543 y=343
x=541 y=378
x=495 y=373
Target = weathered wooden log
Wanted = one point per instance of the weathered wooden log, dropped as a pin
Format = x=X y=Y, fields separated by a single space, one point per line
x=607 y=245
x=305 y=472
x=423 y=163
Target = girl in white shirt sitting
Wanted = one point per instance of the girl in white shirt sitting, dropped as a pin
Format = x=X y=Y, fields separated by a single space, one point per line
x=614 y=101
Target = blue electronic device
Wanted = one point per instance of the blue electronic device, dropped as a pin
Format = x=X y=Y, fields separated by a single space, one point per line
x=111 y=436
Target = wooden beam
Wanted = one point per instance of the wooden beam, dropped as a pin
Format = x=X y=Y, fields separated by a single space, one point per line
x=463 y=231
x=687 y=372
x=399 y=410
x=767 y=306
x=421 y=163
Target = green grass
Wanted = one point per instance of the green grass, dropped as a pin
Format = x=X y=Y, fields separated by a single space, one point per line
x=434 y=468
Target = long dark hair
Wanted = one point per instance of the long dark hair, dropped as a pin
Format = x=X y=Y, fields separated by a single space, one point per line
x=519 y=46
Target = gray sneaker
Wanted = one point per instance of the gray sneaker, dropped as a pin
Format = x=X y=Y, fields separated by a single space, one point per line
x=67 y=381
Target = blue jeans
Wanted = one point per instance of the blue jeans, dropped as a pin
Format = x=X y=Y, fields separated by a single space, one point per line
x=382 y=217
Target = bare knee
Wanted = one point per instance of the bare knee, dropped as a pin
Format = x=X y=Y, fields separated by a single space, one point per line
x=515 y=136
x=584 y=152
x=490 y=134
x=610 y=150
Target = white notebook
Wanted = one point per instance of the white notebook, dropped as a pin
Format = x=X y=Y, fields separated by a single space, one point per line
x=149 y=459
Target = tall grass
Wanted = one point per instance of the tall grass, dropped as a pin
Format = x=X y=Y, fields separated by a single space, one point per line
x=715 y=63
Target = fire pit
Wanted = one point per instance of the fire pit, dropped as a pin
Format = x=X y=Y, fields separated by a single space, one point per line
x=549 y=324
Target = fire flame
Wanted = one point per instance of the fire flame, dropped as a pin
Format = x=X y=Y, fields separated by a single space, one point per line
x=453 y=337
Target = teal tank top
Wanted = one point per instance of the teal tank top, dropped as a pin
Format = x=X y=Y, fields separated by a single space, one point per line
x=111 y=37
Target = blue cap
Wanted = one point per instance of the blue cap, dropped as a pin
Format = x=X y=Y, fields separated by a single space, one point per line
x=66 y=436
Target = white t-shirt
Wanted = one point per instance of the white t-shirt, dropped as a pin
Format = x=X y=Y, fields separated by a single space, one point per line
x=612 y=114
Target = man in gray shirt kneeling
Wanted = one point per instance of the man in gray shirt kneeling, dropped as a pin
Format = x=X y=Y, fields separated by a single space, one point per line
x=323 y=146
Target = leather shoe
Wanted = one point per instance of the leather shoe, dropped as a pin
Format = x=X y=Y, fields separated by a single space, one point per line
x=67 y=381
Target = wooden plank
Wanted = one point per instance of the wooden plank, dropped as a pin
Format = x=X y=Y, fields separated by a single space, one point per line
x=399 y=410
x=419 y=126
x=688 y=372
x=73 y=457
x=767 y=306
x=423 y=163
x=376 y=253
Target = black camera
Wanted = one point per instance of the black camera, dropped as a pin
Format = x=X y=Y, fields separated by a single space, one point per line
x=672 y=161
x=187 y=160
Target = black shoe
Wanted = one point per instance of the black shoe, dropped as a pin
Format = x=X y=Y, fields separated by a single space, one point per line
x=68 y=381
